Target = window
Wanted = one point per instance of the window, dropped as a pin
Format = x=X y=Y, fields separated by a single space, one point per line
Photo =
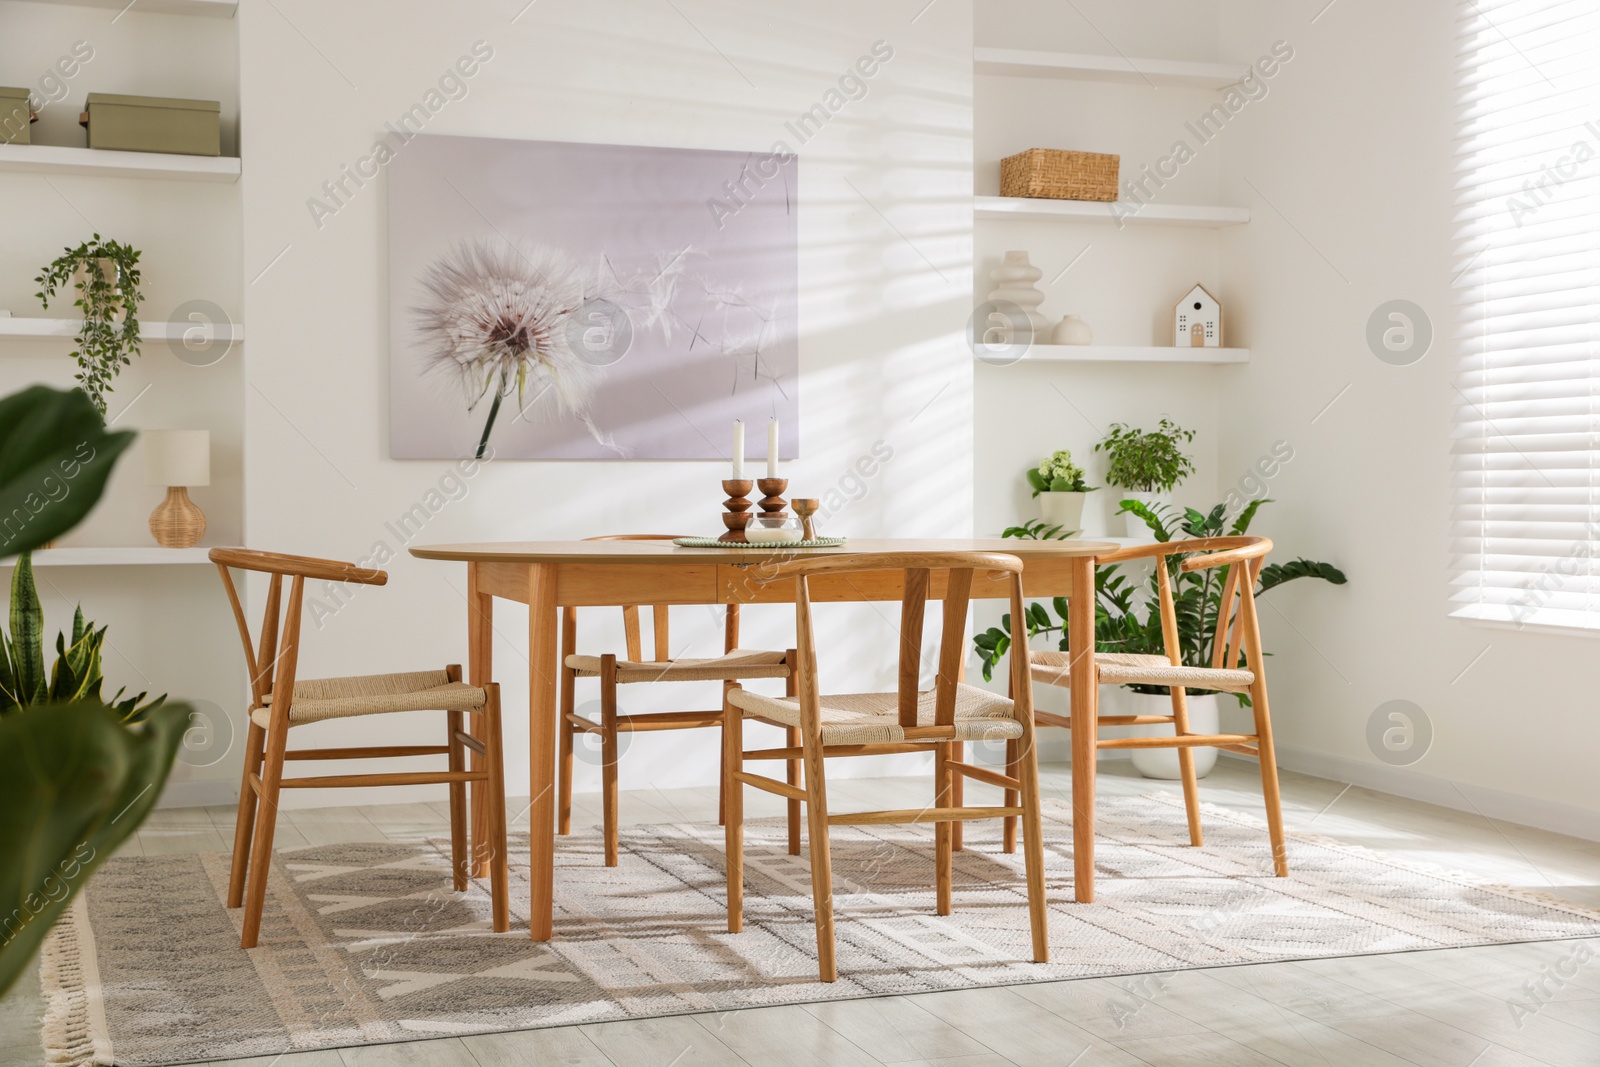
x=1527 y=453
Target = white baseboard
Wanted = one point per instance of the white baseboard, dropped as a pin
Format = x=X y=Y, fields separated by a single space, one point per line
x=1481 y=800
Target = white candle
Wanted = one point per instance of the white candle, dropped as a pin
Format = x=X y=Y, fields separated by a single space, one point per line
x=738 y=449
x=772 y=448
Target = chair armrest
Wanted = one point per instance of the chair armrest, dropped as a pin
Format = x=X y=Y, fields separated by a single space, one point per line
x=252 y=559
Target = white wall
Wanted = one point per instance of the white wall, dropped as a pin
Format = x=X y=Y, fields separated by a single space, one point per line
x=885 y=268
x=1354 y=150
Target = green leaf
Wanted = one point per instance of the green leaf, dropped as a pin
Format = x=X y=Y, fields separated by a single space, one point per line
x=1038 y=616
x=1275 y=574
x=1151 y=518
x=55 y=457
x=1036 y=480
x=74 y=784
x=1242 y=523
x=27 y=632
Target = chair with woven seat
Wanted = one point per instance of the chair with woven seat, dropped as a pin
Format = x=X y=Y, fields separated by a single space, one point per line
x=273 y=660
x=939 y=721
x=732 y=666
x=1237 y=633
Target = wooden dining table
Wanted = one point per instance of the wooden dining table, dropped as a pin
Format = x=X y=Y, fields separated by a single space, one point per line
x=550 y=575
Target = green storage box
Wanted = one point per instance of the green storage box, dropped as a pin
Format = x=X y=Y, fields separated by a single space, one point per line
x=153 y=124
x=15 y=116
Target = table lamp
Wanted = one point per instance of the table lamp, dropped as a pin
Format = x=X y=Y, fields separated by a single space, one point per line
x=177 y=459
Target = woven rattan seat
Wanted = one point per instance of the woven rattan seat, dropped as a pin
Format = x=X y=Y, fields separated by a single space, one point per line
x=318 y=699
x=873 y=718
x=1125 y=668
x=740 y=663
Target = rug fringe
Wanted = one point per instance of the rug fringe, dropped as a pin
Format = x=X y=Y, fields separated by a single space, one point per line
x=1427 y=870
x=65 y=1033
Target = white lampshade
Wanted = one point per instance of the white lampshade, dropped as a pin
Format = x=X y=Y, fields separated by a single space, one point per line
x=177 y=457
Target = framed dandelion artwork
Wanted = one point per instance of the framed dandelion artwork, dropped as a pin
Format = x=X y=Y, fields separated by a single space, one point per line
x=550 y=300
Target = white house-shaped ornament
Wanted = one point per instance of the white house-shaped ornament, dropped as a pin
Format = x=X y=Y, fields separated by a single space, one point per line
x=1198 y=320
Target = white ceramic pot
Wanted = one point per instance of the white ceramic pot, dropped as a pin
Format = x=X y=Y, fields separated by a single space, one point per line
x=1136 y=527
x=1205 y=717
x=1062 y=509
x=1071 y=330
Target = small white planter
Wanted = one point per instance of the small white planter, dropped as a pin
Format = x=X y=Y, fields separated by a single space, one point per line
x=1205 y=717
x=1062 y=509
x=1136 y=527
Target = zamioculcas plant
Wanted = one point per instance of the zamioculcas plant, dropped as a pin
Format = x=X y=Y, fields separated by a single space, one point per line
x=1128 y=615
x=76 y=779
x=106 y=275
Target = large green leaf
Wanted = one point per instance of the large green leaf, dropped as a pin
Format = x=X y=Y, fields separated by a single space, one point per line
x=74 y=783
x=1274 y=574
x=27 y=633
x=55 y=457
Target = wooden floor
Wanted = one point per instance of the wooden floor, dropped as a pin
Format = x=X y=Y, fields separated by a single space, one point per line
x=1449 y=1008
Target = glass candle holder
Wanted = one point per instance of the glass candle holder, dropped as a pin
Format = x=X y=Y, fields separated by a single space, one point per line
x=772 y=529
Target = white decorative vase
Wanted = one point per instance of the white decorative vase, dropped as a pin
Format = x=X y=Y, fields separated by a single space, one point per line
x=1136 y=527
x=1071 y=330
x=1062 y=509
x=1205 y=717
x=1014 y=283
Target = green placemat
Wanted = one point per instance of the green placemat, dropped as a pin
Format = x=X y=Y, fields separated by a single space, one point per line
x=744 y=546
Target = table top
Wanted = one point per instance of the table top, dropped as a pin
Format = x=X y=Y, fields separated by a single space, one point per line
x=667 y=552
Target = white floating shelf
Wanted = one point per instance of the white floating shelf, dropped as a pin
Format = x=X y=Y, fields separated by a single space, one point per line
x=46 y=329
x=1041 y=353
x=114 y=557
x=1119 y=212
x=221 y=9
x=100 y=162
x=1030 y=64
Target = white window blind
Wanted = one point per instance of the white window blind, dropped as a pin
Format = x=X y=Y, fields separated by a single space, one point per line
x=1527 y=453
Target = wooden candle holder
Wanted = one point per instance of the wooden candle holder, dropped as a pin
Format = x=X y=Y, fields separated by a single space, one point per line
x=772 y=503
x=734 y=515
x=805 y=507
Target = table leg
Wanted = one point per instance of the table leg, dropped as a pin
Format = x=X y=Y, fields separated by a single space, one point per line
x=480 y=646
x=1085 y=724
x=543 y=632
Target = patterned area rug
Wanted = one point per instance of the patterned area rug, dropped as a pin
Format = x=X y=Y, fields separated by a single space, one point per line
x=365 y=943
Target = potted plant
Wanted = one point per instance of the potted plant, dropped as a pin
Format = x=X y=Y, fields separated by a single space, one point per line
x=1146 y=465
x=1128 y=619
x=1059 y=485
x=106 y=276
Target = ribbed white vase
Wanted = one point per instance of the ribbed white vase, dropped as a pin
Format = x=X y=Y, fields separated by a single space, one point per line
x=1014 y=283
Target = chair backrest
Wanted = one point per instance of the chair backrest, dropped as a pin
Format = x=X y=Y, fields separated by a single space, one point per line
x=1238 y=629
x=918 y=570
x=658 y=612
x=272 y=657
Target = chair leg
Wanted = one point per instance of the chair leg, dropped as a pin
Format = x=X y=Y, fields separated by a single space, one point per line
x=564 y=755
x=254 y=748
x=609 y=754
x=1012 y=798
x=791 y=688
x=722 y=775
x=1033 y=845
x=454 y=721
x=494 y=764
x=958 y=790
x=943 y=840
x=733 y=792
x=266 y=822
x=1191 y=783
x=821 y=859
x=1269 y=778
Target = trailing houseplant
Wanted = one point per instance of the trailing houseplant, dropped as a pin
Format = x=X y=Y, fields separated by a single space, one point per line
x=1146 y=464
x=76 y=779
x=106 y=276
x=1060 y=486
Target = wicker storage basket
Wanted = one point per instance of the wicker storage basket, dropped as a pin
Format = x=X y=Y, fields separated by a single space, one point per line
x=1055 y=174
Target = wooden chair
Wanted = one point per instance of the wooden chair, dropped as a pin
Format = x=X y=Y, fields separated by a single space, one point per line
x=1238 y=630
x=734 y=664
x=280 y=700
x=940 y=721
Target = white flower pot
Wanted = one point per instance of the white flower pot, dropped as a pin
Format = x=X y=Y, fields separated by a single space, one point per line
x=1136 y=527
x=1062 y=509
x=1205 y=717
